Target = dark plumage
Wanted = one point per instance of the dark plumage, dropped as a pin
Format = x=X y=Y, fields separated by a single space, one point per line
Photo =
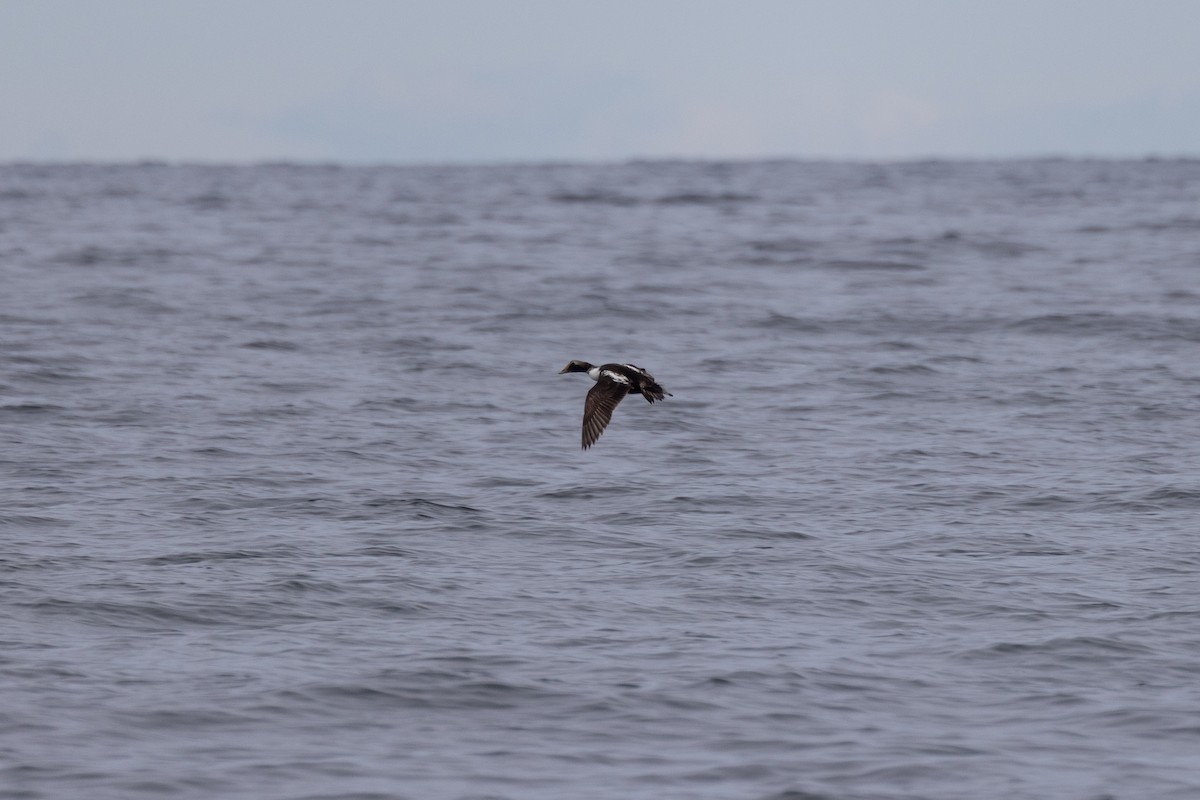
x=613 y=382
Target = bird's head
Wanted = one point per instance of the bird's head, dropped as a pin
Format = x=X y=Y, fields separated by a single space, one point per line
x=576 y=366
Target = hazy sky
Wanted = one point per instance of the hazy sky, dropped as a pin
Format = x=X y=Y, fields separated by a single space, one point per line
x=502 y=80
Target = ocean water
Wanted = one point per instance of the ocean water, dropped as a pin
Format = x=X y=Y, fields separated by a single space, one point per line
x=292 y=503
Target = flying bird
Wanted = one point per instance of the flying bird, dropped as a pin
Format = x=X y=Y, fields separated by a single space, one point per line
x=613 y=382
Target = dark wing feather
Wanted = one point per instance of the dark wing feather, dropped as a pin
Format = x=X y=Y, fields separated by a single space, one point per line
x=598 y=408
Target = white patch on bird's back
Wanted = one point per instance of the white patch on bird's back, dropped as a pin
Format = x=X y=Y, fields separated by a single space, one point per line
x=616 y=376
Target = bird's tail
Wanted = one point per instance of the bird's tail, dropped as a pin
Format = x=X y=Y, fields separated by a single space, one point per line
x=655 y=392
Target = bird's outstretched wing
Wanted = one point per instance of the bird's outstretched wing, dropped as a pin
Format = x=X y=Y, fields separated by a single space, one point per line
x=598 y=407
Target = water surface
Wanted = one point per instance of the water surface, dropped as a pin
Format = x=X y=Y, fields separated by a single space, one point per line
x=292 y=501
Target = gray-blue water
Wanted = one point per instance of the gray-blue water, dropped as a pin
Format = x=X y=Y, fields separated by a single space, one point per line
x=292 y=503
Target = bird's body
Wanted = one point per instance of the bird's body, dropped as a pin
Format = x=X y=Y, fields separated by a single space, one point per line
x=613 y=382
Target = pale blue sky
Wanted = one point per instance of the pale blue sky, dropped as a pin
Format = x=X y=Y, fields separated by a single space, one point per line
x=534 y=80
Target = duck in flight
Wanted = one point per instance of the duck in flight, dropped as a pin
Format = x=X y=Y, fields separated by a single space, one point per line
x=613 y=382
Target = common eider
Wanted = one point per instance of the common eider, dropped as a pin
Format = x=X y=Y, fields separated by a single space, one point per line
x=613 y=382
